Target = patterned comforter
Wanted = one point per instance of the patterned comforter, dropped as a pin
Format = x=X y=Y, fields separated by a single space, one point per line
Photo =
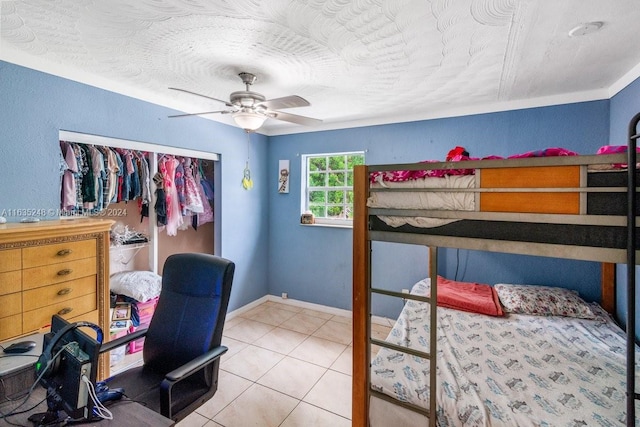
x=519 y=370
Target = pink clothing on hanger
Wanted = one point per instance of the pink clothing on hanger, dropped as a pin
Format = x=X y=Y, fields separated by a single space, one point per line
x=68 y=195
x=193 y=201
x=207 y=214
x=174 y=216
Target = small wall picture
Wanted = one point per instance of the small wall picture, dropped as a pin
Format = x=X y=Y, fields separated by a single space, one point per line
x=122 y=311
x=283 y=177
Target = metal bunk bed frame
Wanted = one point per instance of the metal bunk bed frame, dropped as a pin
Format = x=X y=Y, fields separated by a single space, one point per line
x=632 y=396
x=362 y=289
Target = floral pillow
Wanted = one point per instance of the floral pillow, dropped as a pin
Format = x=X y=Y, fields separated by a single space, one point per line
x=543 y=301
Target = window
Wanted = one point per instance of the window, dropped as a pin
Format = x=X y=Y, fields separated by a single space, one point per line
x=328 y=186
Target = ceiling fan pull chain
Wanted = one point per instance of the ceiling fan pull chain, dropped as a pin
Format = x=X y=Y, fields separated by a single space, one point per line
x=247 y=182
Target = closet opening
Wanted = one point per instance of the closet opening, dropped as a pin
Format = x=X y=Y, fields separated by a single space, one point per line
x=194 y=232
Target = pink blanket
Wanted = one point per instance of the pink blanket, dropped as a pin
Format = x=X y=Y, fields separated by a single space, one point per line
x=616 y=149
x=466 y=296
x=459 y=154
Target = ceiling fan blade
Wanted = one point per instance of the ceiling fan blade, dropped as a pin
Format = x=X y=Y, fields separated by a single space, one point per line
x=227 y=103
x=198 y=114
x=293 y=118
x=292 y=101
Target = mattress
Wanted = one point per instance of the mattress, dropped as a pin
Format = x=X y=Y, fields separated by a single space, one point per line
x=406 y=196
x=429 y=200
x=518 y=370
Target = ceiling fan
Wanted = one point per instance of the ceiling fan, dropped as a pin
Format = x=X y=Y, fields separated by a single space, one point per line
x=250 y=109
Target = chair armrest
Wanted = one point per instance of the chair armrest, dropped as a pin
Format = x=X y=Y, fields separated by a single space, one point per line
x=196 y=364
x=119 y=342
x=183 y=372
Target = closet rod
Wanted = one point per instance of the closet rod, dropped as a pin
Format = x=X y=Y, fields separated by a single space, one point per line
x=85 y=138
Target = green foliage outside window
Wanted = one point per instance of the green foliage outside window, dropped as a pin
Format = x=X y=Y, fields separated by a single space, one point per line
x=330 y=184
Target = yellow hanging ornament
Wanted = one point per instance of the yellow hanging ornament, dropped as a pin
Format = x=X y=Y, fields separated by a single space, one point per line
x=247 y=182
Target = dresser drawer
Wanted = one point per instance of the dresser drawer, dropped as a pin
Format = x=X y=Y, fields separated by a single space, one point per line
x=91 y=316
x=52 y=254
x=10 y=282
x=10 y=260
x=56 y=273
x=72 y=308
x=59 y=292
x=10 y=326
x=11 y=304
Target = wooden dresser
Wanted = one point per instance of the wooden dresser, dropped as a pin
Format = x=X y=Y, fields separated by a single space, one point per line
x=54 y=267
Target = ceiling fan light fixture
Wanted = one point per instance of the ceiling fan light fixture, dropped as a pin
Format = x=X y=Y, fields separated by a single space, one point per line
x=248 y=120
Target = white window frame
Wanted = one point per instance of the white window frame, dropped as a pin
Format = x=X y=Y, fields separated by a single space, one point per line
x=343 y=222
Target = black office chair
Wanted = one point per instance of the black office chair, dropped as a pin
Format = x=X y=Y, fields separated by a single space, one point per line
x=182 y=350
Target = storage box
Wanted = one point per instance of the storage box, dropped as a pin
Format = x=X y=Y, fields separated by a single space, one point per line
x=117 y=354
x=145 y=312
x=146 y=309
x=136 y=345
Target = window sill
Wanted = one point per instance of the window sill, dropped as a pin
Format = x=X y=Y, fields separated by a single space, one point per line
x=328 y=225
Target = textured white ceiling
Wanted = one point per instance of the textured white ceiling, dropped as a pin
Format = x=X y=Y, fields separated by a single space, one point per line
x=356 y=61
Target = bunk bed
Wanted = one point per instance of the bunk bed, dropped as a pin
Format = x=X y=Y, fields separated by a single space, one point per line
x=564 y=207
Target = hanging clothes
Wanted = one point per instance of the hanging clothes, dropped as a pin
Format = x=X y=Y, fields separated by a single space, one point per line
x=95 y=176
x=174 y=215
x=68 y=191
x=207 y=213
x=120 y=183
x=126 y=176
x=97 y=162
x=145 y=195
x=179 y=180
x=193 y=201
x=161 y=200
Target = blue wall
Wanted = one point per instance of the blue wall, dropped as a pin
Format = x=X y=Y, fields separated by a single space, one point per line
x=34 y=106
x=260 y=228
x=313 y=263
x=624 y=106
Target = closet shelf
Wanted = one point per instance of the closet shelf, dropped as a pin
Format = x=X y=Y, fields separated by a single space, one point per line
x=130 y=246
x=126 y=257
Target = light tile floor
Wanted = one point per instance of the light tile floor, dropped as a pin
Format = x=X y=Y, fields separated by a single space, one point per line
x=286 y=366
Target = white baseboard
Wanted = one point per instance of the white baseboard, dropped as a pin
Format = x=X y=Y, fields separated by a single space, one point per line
x=245 y=308
x=308 y=305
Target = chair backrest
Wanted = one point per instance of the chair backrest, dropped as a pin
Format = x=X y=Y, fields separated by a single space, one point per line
x=191 y=310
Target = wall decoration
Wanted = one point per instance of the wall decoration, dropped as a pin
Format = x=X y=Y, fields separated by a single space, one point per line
x=247 y=182
x=307 y=218
x=283 y=176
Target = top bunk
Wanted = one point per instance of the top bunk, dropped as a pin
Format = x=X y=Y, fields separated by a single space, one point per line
x=568 y=206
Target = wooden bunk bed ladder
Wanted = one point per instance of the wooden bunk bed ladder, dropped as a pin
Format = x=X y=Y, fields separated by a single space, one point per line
x=361 y=302
x=362 y=291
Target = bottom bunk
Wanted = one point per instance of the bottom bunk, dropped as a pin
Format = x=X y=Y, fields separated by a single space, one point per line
x=523 y=369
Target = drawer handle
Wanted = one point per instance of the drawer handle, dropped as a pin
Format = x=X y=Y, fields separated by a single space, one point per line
x=65 y=272
x=65 y=310
x=64 y=291
x=64 y=252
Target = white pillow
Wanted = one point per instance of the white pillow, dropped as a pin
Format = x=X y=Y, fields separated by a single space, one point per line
x=139 y=285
